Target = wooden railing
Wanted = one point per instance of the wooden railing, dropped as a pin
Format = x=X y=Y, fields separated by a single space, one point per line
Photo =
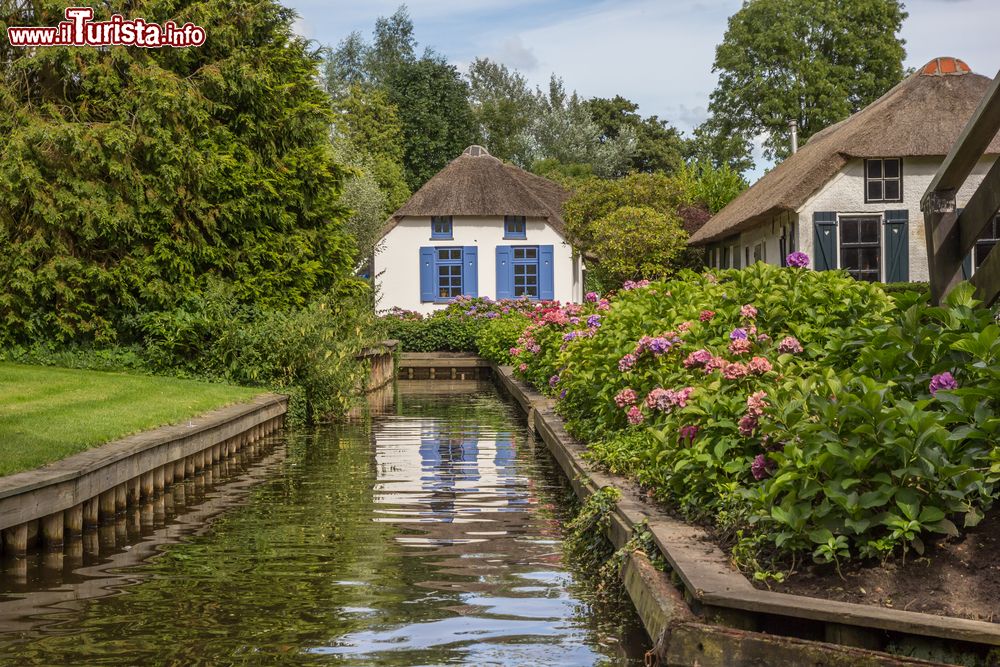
x=951 y=234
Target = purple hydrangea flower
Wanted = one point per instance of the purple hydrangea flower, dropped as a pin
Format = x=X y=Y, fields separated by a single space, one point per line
x=594 y=321
x=688 y=433
x=591 y=297
x=738 y=334
x=554 y=380
x=760 y=467
x=797 y=259
x=941 y=381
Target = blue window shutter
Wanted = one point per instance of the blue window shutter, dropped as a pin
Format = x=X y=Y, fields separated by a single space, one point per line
x=546 y=275
x=897 y=246
x=427 y=274
x=825 y=241
x=505 y=273
x=470 y=270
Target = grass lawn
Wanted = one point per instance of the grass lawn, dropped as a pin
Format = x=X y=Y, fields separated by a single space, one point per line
x=49 y=413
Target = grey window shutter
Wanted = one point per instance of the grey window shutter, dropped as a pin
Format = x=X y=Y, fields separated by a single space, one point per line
x=897 y=246
x=825 y=241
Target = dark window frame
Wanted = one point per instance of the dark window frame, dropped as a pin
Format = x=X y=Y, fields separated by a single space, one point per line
x=987 y=240
x=447 y=229
x=448 y=262
x=882 y=179
x=856 y=247
x=526 y=262
x=520 y=221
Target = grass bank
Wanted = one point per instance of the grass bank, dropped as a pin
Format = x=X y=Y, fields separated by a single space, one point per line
x=47 y=414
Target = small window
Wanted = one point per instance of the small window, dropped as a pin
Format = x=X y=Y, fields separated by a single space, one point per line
x=526 y=271
x=725 y=257
x=987 y=240
x=515 y=227
x=441 y=227
x=449 y=273
x=884 y=180
x=860 y=248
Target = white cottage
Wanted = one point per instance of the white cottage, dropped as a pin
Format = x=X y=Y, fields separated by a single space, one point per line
x=480 y=227
x=850 y=198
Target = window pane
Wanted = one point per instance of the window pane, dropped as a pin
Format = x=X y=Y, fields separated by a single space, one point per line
x=874 y=168
x=875 y=190
x=891 y=168
x=868 y=231
x=982 y=250
x=892 y=190
x=869 y=258
x=848 y=230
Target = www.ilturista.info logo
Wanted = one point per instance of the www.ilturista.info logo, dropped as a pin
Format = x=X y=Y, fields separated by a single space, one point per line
x=79 y=30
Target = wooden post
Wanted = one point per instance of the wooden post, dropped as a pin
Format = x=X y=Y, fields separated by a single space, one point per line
x=162 y=476
x=121 y=498
x=148 y=486
x=133 y=491
x=189 y=466
x=90 y=514
x=15 y=540
x=107 y=506
x=74 y=521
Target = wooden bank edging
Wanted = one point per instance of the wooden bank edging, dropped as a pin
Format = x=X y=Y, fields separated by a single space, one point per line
x=711 y=585
x=63 y=498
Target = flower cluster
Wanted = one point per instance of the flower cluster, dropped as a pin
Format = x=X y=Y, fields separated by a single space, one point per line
x=789 y=345
x=755 y=410
x=748 y=312
x=942 y=381
x=666 y=400
x=631 y=285
x=706 y=315
x=798 y=260
x=626 y=397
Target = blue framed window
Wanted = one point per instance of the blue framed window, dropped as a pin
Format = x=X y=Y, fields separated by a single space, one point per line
x=525 y=264
x=515 y=227
x=449 y=273
x=441 y=227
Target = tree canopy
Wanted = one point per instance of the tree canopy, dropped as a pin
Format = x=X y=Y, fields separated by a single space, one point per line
x=658 y=146
x=132 y=178
x=812 y=61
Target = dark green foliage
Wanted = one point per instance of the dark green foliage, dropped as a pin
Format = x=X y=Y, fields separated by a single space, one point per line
x=898 y=289
x=435 y=334
x=658 y=146
x=803 y=60
x=131 y=178
x=497 y=336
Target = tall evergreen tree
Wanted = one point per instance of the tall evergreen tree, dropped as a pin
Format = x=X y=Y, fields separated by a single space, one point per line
x=131 y=178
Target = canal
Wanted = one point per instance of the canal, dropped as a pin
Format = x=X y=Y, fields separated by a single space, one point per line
x=429 y=536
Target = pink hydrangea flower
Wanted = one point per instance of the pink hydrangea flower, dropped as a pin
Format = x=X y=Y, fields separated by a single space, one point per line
x=715 y=363
x=515 y=351
x=748 y=424
x=591 y=297
x=759 y=366
x=698 y=358
x=603 y=304
x=789 y=345
x=740 y=346
x=626 y=363
x=658 y=399
x=523 y=368
x=635 y=415
x=761 y=467
x=756 y=403
x=748 y=312
x=735 y=371
x=684 y=327
x=626 y=397
x=706 y=315
x=942 y=381
x=688 y=433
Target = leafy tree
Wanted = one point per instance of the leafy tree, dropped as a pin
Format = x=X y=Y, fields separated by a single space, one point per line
x=344 y=66
x=713 y=187
x=433 y=104
x=565 y=131
x=504 y=108
x=130 y=178
x=812 y=61
x=370 y=124
x=658 y=147
x=364 y=198
x=636 y=242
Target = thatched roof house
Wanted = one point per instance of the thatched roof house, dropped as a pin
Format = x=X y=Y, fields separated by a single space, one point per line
x=479 y=227
x=836 y=198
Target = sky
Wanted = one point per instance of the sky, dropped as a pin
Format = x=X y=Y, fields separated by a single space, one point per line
x=657 y=53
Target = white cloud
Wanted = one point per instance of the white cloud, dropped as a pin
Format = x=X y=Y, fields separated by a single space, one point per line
x=514 y=53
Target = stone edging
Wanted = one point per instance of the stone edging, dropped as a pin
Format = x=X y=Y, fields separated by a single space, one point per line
x=78 y=491
x=711 y=585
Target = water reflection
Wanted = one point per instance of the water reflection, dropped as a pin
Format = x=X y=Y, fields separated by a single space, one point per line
x=428 y=537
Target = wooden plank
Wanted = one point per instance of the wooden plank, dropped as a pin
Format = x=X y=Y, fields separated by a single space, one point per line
x=986 y=280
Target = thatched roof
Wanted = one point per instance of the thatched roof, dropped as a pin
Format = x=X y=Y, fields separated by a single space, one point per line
x=478 y=184
x=920 y=117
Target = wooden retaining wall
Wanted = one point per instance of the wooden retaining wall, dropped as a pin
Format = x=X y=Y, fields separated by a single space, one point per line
x=48 y=506
x=443 y=366
x=705 y=612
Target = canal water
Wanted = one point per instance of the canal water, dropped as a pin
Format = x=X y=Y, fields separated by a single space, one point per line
x=430 y=536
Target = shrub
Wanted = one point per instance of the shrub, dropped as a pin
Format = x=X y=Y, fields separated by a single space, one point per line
x=810 y=411
x=498 y=337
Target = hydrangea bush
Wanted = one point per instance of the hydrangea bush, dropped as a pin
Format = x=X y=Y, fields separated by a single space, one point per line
x=798 y=411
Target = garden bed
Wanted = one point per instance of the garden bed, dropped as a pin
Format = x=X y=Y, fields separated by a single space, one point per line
x=958 y=577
